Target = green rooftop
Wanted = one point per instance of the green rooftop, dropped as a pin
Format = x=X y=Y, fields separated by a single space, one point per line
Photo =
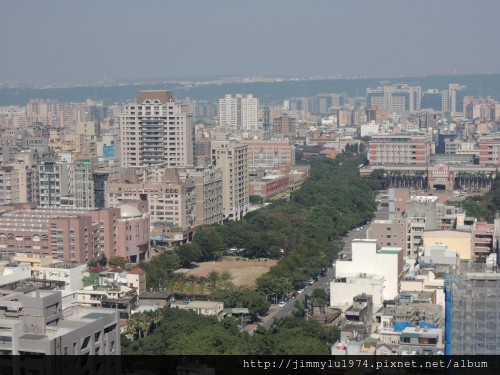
x=387 y=251
x=93 y=279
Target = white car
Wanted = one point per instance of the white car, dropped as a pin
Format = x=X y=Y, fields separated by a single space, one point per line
x=281 y=304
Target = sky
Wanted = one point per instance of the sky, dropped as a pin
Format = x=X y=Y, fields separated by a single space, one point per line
x=85 y=42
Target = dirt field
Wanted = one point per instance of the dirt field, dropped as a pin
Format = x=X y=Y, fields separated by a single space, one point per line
x=244 y=272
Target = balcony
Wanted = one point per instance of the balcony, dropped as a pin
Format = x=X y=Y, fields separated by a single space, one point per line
x=483 y=241
x=481 y=250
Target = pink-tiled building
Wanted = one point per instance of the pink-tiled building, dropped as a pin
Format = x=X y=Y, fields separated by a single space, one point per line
x=269 y=186
x=489 y=150
x=270 y=153
x=76 y=235
x=399 y=149
x=483 y=238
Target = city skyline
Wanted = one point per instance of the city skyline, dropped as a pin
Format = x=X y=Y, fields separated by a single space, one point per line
x=85 y=44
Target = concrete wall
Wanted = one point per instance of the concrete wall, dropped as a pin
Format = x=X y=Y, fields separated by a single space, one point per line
x=345 y=287
x=15 y=274
x=366 y=259
x=458 y=241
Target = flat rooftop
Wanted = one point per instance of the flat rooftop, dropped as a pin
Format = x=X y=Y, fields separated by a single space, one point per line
x=389 y=251
x=198 y=304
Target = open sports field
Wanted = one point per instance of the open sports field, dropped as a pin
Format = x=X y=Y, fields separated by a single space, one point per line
x=244 y=272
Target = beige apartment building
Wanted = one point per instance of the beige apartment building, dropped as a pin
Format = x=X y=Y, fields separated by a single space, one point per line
x=391 y=232
x=285 y=126
x=208 y=192
x=461 y=241
x=232 y=157
x=171 y=203
x=156 y=130
x=19 y=180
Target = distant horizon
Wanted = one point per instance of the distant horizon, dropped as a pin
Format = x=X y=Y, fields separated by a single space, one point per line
x=238 y=78
x=267 y=91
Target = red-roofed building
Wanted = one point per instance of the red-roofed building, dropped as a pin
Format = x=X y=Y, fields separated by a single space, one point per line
x=99 y=269
x=136 y=271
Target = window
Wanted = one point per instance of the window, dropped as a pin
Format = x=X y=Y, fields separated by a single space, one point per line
x=110 y=328
x=85 y=342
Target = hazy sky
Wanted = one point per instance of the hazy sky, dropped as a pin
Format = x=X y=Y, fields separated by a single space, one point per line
x=87 y=41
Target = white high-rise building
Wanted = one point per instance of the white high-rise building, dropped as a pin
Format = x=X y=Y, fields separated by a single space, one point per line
x=54 y=182
x=239 y=112
x=156 y=130
x=228 y=111
x=249 y=113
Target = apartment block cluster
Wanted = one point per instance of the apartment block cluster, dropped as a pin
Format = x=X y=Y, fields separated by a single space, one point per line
x=388 y=305
x=49 y=306
x=46 y=308
x=449 y=142
x=424 y=281
x=403 y=126
x=82 y=181
x=421 y=281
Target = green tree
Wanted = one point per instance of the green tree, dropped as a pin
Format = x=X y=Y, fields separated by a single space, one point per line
x=255 y=302
x=160 y=269
x=117 y=261
x=211 y=242
x=299 y=311
x=189 y=253
x=320 y=298
x=255 y=199
x=202 y=282
x=192 y=281
x=103 y=261
x=213 y=279
x=280 y=286
x=226 y=280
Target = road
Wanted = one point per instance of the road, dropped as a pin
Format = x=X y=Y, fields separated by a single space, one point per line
x=324 y=281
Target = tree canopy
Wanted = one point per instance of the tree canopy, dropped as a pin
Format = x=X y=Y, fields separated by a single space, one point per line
x=483 y=207
x=181 y=332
